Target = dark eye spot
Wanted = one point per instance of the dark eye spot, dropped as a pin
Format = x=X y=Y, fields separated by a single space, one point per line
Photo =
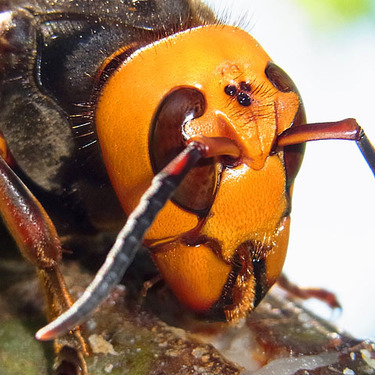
x=244 y=99
x=230 y=90
x=244 y=86
x=279 y=78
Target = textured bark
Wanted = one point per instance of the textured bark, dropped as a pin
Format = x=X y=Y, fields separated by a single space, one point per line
x=130 y=334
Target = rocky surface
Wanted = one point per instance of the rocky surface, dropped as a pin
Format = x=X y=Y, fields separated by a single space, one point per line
x=133 y=334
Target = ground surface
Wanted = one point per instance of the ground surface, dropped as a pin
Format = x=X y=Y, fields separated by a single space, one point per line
x=134 y=335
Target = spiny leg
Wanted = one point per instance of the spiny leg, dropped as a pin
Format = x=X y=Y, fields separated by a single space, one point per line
x=347 y=129
x=38 y=242
x=305 y=293
x=71 y=348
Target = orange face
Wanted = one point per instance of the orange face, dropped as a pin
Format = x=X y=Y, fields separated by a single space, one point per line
x=220 y=243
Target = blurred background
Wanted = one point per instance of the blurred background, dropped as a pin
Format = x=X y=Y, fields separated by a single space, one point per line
x=328 y=48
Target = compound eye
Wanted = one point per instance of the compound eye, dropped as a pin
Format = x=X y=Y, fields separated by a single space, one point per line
x=167 y=139
x=293 y=155
x=279 y=78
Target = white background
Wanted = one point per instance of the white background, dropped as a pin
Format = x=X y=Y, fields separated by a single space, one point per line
x=332 y=242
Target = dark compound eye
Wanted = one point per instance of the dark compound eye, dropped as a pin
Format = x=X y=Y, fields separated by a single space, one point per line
x=244 y=99
x=197 y=192
x=244 y=86
x=293 y=154
x=279 y=78
x=230 y=90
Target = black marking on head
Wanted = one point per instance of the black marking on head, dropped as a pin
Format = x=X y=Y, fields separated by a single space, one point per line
x=226 y=299
x=261 y=286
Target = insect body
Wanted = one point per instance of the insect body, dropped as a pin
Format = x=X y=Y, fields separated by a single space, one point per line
x=165 y=78
x=201 y=210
